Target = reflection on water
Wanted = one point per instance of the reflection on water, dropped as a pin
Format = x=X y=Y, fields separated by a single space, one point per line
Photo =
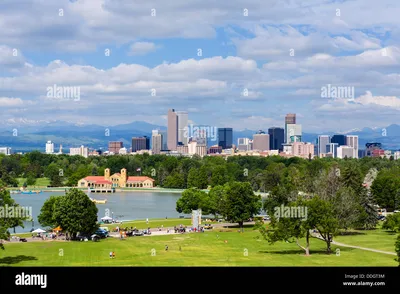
x=121 y=205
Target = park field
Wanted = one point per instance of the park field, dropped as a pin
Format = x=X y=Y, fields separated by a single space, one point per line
x=217 y=247
x=40 y=182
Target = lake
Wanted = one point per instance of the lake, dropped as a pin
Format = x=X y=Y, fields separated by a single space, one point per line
x=121 y=205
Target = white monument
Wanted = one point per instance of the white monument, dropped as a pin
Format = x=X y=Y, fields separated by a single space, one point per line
x=196 y=218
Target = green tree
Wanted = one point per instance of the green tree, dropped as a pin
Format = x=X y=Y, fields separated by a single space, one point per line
x=175 y=180
x=288 y=229
x=31 y=180
x=219 y=176
x=46 y=216
x=192 y=180
x=76 y=213
x=385 y=190
x=322 y=215
x=216 y=196
x=397 y=248
x=240 y=203
x=76 y=176
x=56 y=181
x=193 y=199
x=6 y=202
x=392 y=222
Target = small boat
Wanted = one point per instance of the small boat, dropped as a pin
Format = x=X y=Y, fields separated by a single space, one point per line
x=15 y=192
x=31 y=192
x=104 y=201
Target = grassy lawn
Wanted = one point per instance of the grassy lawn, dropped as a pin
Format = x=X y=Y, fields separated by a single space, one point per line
x=40 y=182
x=219 y=247
x=376 y=239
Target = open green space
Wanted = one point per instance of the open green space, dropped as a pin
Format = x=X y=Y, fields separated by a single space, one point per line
x=375 y=239
x=217 y=247
x=153 y=223
x=40 y=182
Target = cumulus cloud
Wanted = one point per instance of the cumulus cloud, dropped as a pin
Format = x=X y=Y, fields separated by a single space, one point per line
x=141 y=48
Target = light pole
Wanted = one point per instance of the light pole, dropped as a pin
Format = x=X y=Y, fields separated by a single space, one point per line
x=112 y=215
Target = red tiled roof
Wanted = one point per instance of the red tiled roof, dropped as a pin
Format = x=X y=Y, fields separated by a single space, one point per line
x=97 y=179
x=139 y=179
x=116 y=174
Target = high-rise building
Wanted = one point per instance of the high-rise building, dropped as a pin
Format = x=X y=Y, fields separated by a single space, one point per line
x=182 y=127
x=370 y=147
x=339 y=139
x=195 y=148
x=276 y=138
x=352 y=141
x=156 y=143
x=261 y=142
x=332 y=148
x=345 y=151
x=302 y=149
x=172 y=130
x=49 y=147
x=244 y=144
x=140 y=143
x=290 y=119
x=115 y=146
x=81 y=151
x=294 y=133
x=5 y=150
x=225 y=137
x=164 y=138
x=323 y=141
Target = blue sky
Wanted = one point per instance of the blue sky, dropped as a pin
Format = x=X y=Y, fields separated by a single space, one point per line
x=280 y=53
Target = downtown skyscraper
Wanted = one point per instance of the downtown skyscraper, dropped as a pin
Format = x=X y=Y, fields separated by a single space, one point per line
x=172 y=135
x=290 y=119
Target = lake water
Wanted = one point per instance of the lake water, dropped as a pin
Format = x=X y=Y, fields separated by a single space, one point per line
x=121 y=205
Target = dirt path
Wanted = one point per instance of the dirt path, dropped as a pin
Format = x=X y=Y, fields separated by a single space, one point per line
x=356 y=247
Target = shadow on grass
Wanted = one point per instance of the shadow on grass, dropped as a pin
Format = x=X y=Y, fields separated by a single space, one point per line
x=16 y=259
x=301 y=252
x=351 y=233
x=238 y=227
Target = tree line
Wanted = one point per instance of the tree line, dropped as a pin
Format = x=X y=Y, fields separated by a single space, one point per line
x=263 y=173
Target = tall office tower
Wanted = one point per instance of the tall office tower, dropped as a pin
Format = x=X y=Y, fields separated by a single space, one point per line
x=49 y=147
x=182 y=127
x=345 y=151
x=370 y=147
x=156 y=143
x=172 y=130
x=293 y=134
x=339 y=139
x=5 y=150
x=303 y=149
x=261 y=142
x=200 y=137
x=290 y=119
x=82 y=151
x=115 y=146
x=323 y=140
x=225 y=136
x=352 y=141
x=332 y=148
x=164 y=145
x=243 y=144
x=140 y=143
x=276 y=138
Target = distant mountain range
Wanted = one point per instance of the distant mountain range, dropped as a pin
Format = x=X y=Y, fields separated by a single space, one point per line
x=25 y=135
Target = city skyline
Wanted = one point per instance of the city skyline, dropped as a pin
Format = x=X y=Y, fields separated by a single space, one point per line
x=237 y=67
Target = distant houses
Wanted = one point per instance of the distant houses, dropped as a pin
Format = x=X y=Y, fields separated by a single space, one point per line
x=117 y=180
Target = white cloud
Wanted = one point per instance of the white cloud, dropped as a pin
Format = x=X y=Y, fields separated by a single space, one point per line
x=10 y=102
x=141 y=48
